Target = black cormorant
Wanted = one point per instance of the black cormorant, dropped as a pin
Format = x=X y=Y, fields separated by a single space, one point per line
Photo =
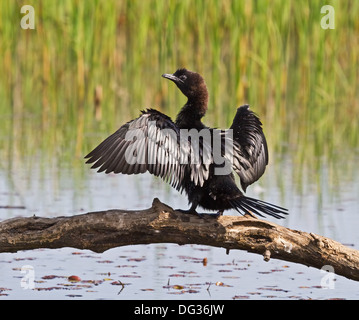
x=190 y=156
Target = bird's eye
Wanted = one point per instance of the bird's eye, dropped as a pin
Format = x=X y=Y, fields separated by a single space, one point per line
x=183 y=77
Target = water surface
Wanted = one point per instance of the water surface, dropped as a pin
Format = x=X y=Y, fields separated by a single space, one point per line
x=170 y=271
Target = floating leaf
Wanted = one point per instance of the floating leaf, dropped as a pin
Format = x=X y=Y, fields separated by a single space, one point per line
x=74 y=278
x=21 y=259
x=127 y=266
x=39 y=281
x=178 y=287
x=104 y=261
x=187 y=272
x=78 y=286
x=240 y=297
x=176 y=292
x=49 y=288
x=192 y=291
x=272 y=289
x=136 y=259
x=129 y=276
x=49 y=277
x=221 y=284
x=95 y=282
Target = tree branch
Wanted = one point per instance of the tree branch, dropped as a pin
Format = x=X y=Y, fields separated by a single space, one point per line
x=99 y=231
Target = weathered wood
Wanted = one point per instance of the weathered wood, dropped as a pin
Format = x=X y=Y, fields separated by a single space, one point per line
x=99 y=231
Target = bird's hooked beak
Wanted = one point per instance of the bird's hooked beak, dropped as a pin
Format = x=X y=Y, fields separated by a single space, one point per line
x=172 y=77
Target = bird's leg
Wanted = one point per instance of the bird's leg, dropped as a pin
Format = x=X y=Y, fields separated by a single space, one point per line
x=191 y=210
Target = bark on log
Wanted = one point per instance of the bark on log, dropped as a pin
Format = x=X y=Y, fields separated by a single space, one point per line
x=99 y=231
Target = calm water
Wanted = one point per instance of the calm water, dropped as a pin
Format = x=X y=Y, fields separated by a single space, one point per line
x=169 y=271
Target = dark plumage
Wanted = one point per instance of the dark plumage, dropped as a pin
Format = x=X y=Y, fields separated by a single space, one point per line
x=153 y=142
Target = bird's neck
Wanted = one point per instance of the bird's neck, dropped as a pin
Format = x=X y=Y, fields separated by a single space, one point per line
x=192 y=112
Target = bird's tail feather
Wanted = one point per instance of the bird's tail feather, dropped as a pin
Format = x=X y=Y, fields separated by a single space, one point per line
x=247 y=205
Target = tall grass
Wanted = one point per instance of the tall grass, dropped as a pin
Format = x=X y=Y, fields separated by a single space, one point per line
x=302 y=80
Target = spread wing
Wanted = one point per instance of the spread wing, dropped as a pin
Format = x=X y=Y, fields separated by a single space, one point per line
x=152 y=143
x=250 y=156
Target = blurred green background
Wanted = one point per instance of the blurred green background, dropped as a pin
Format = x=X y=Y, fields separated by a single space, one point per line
x=90 y=66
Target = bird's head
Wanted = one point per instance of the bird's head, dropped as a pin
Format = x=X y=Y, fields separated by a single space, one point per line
x=190 y=83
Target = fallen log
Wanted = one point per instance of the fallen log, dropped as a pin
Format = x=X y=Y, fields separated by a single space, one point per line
x=100 y=231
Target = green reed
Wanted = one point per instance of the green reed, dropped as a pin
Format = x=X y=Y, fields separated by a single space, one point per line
x=274 y=55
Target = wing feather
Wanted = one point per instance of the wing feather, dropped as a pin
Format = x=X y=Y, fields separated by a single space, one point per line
x=142 y=145
x=250 y=156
